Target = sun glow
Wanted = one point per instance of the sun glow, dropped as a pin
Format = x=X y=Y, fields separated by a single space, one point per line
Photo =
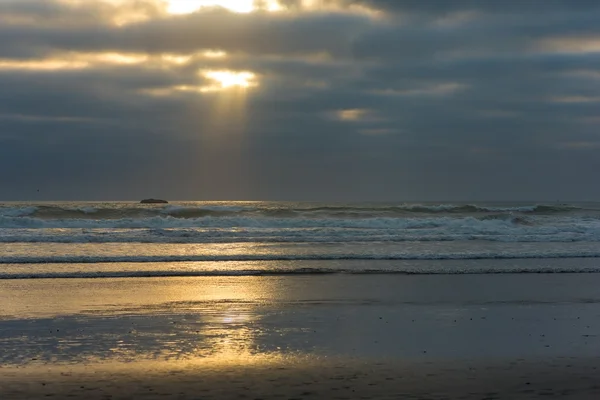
x=229 y=79
x=190 y=6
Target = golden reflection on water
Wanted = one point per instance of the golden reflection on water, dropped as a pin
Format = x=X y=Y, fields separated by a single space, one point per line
x=229 y=331
x=210 y=318
x=37 y=298
x=232 y=337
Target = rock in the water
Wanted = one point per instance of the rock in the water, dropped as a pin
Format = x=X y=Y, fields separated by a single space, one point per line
x=153 y=201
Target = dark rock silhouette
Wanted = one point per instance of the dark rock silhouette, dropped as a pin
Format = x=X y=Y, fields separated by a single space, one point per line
x=153 y=201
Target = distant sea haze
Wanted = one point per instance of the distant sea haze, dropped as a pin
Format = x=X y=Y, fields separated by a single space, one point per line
x=192 y=234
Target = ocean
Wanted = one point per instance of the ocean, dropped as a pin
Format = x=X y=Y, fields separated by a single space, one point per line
x=240 y=281
x=116 y=239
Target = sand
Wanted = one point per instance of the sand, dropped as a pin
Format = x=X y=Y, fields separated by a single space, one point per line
x=324 y=337
x=308 y=379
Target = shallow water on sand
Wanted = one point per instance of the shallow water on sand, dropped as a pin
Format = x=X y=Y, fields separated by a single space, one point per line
x=236 y=318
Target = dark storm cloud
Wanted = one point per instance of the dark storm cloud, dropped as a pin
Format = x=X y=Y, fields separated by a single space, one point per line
x=368 y=99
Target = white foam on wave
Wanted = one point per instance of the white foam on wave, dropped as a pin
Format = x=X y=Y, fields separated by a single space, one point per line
x=249 y=222
x=17 y=211
x=171 y=209
x=289 y=210
x=169 y=229
x=509 y=209
x=85 y=210
x=468 y=208
x=177 y=209
x=439 y=207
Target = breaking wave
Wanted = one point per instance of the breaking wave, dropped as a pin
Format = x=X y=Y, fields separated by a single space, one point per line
x=281 y=210
x=296 y=222
x=253 y=222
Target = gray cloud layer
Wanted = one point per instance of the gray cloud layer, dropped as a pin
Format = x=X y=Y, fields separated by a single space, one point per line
x=443 y=100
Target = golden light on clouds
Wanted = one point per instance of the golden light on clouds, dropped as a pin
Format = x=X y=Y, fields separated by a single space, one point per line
x=357 y=115
x=176 y=59
x=248 y=6
x=225 y=79
x=354 y=114
x=117 y=58
x=42 y=65
x=80 y=60
x=361 y=116
x=571 y=45
x=214 y=54
x=85 y=60
x=124 y=12
x=238 y=6
x=232 y=85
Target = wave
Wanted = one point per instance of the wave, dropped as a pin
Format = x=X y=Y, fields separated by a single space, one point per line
x=295 y=222
x=491 y=221
x=81 y=259
x=443 y=208
x=493 y=227
x=284 y=272
x=139 y=211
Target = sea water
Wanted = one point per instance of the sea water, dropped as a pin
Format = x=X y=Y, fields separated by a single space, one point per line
x=80 y=239
x=242 y=279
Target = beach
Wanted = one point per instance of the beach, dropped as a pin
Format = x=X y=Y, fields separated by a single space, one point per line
x=299 y=199
x=565 y=379
x=276 y=300
x=331 y=336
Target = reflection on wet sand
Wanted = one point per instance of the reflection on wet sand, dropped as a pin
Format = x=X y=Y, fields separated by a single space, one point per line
x=70 y=321
x=240 y=320
x=62 y=297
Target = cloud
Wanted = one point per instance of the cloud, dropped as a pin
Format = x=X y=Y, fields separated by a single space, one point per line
x=369 y=99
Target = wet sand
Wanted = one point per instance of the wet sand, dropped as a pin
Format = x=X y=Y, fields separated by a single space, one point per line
x=308 y=379
x=318 y=337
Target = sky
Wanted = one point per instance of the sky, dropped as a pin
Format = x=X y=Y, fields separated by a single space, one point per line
x=325 y=100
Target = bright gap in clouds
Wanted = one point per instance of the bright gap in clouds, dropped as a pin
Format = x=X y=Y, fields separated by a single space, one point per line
x=229 y=79
x=239 y=6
